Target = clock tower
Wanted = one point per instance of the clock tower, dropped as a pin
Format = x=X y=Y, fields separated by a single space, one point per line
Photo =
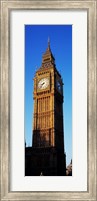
x=48 y=156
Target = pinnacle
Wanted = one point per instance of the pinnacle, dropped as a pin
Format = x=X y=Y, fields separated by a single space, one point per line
x=48 y=43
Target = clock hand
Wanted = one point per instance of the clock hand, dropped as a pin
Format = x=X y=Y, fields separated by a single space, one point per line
x=43 y=83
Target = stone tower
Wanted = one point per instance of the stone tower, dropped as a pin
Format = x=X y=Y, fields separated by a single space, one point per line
x=47 y=154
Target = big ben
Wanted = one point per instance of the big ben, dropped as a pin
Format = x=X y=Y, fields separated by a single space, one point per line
x=47 y=155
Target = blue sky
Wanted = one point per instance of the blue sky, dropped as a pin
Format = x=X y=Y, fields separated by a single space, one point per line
x=36 y=41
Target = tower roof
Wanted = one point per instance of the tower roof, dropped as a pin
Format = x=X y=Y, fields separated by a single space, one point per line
x=48 y=56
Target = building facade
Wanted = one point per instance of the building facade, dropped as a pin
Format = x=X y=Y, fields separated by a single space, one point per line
x=46 y=156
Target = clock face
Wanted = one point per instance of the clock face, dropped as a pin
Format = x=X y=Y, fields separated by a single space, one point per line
x=59 y=86
x=43 y=83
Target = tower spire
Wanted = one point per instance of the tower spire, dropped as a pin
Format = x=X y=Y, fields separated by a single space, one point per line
x=48 y=43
